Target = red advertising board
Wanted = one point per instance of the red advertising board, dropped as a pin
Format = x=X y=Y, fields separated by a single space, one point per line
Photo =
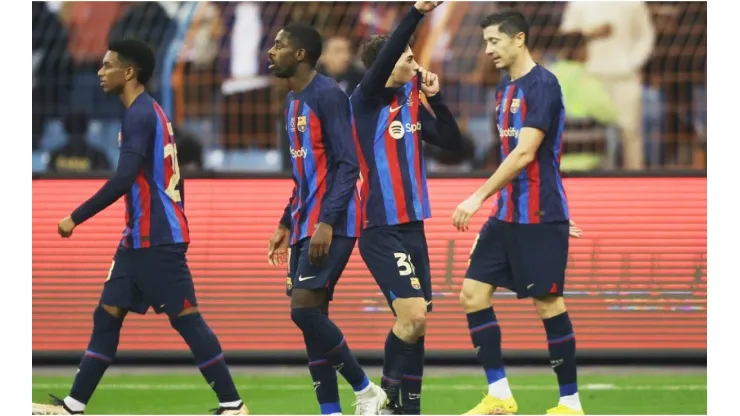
x=636 y=280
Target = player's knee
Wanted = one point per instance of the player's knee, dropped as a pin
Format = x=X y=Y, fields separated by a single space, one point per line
x=180 y=322
x=474 y=298
x=549 y=305
x=416 y=321
x=105 y=321
x=411 y=321
x=325 y=308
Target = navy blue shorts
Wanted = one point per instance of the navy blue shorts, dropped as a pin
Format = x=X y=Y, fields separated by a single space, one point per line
x=398 y=258
x=303 y=275
x=529 y=259
x=155 y=276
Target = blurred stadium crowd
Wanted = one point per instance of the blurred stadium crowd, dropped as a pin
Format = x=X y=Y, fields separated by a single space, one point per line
x=633 y=76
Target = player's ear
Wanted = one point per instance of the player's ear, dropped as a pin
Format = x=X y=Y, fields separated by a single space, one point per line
x=300 y=55
x=129 y=73
x=520 y=39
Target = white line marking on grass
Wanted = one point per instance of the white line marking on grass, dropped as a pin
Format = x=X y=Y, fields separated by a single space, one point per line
x=309 y=387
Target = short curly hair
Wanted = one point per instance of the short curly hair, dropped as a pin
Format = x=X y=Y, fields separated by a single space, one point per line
x=306 y=37
x=137 y=53
x=372 y=46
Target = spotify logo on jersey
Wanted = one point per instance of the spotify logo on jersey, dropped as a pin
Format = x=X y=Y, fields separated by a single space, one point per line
x=398 y=129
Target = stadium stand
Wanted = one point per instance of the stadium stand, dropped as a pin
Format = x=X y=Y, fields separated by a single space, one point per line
x=212 y=76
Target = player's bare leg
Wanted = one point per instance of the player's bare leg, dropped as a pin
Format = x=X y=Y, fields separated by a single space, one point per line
x=404 y=354
x=561 y=343
x=326 y=340
x=100 y=353
x=209 y=357
x=475 y=298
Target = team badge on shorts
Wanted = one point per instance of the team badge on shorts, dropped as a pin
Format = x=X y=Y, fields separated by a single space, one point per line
x=415 y=283
x=289 y=283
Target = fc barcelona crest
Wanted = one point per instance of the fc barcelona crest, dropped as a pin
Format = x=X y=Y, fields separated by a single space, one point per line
x=415 y=283
x=514 y=106
x=301 y=124
x=289 y=283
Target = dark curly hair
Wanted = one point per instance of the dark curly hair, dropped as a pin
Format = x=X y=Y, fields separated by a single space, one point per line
x=371 y=48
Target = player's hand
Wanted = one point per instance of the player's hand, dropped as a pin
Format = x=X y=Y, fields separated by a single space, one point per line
x=427 y=6
x=277 y=253
x=429 y=82
x=318 y=248
x=465 y=211
x=66 y=226
x=574 y=231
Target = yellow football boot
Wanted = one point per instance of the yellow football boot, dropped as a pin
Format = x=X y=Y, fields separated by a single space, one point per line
x=562 y=409
x=493 y=406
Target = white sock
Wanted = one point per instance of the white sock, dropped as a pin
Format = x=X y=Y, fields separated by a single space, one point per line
x=74 y=405
x=572 y=401
x=364 y=391
x=335 y=414
x=500 y=389
x=231 y=404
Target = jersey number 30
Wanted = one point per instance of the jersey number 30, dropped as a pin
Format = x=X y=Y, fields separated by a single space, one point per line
x=170 y=150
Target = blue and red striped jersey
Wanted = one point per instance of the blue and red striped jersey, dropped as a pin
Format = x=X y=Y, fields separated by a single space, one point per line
x=537 y=194
x=394 y=182
x=390 y=126
x=324 y=156
x=155 y=213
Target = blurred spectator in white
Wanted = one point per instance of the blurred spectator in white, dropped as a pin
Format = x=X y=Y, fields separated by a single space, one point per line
x=246 y=66
x=77 y=155
x=619 y=40
x=196 y=79
x=203 y=36
x=336 y=62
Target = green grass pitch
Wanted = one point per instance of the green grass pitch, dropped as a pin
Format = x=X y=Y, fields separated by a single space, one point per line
x=185 y=392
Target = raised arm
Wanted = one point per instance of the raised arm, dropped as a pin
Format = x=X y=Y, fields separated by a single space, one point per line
x=377 y=75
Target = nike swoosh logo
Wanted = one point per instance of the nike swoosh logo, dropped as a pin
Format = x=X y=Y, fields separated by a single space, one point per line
x=394 y=109
x=301 y=278
x=429 y=302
